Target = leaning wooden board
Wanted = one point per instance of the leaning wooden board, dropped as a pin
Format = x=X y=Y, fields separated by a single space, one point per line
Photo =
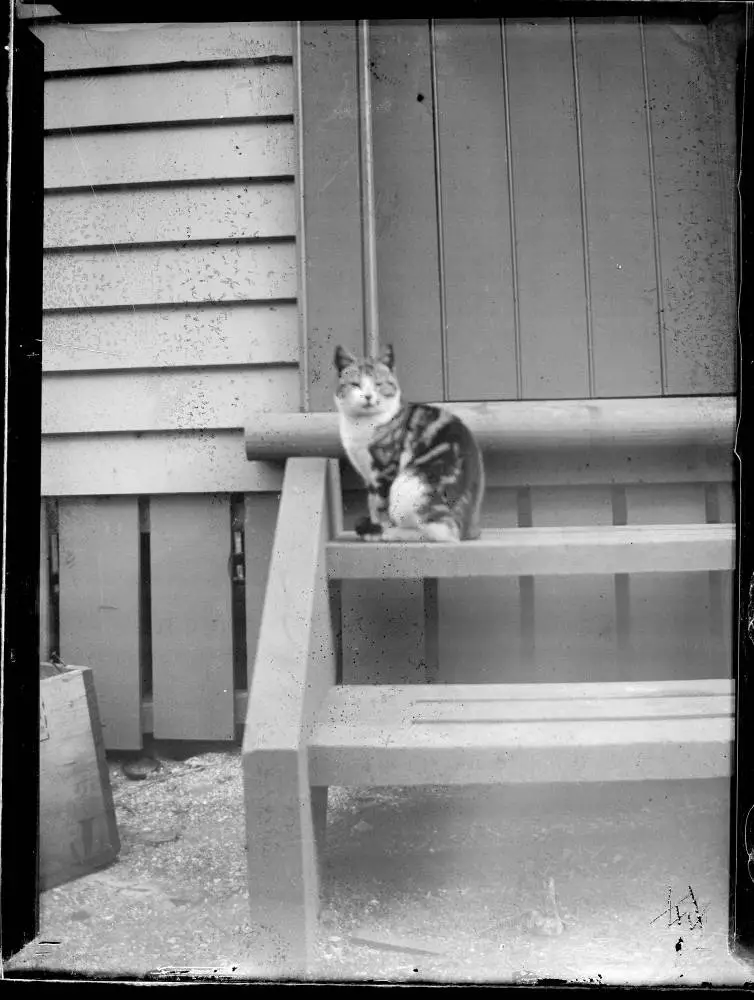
x=77 y=828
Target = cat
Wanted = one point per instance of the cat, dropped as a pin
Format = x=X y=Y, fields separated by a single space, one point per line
x=421 y=465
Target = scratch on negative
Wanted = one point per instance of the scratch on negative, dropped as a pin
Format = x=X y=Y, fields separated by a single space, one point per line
x=337 y=173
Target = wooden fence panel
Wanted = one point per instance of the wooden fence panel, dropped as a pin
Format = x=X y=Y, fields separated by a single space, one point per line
x=99 y=607
x=192 y=650
x=43 y=592
x=261 y=512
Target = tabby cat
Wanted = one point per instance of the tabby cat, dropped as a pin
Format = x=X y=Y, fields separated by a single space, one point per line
x=421 y=465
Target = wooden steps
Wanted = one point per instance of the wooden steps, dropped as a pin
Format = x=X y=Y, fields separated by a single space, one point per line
x=512 y=733
x=305 y=732
x=655 y=548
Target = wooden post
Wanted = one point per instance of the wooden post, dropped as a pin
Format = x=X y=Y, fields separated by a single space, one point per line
x=295 y=667
x=43 y=596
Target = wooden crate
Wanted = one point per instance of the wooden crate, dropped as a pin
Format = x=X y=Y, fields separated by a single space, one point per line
x=77 y=828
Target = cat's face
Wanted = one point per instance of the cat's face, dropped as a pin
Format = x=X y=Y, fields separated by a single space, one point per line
x=367 y=387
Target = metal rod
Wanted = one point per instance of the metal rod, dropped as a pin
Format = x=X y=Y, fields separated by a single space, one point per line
x=512 y=215
x=584 y=215
x=368 y=223
x=440 y=215
x=655 y=214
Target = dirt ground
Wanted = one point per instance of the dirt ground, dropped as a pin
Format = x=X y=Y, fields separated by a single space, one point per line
x=423 y=884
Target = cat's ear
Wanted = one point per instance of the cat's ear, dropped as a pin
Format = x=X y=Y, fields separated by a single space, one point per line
x=343 y=358
x=387 y=357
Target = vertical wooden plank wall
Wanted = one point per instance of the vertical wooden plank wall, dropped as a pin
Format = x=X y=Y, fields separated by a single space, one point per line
x=476 y=188
x=558 y=193
x=99 y=607
x=406 y=202
x=555 y=218
x=170 y=317
x=328 y=169
x=618 y=209
x=192 y=654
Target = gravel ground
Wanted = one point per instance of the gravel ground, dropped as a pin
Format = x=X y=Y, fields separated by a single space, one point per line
x=427 y=884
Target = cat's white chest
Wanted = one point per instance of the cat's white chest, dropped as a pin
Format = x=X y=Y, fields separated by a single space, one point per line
x=356 y=436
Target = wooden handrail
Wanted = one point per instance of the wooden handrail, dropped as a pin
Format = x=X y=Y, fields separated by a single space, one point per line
x=294 y=669
x=707 y=421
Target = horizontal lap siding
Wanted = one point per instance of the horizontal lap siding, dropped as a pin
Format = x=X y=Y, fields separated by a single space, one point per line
x=169 y=155
x=170 y=280
x=77 y=48
x=170 y=319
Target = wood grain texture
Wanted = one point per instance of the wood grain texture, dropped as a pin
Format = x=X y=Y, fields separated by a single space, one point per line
x=477 y=245
x=697 y=269
x=626 y=335
x=170 y=95
x=98 y=402
x=77 y=826
x=479 y=635
x=383 y=630
x=99 y=613
x=331 y=223
x=166 y=462
x=140 y=276
x=406 y=203
x=192 y=657
x=159 y=215
x=393 y=736
x=295 y=665
x=106 y=46
x=259 y=535
x=565 y=551
x=412 y=705
x=197 y=336
x=574 y=619
x=671 y=615
x=186 y=153
x=510 y=426
x=554 y=357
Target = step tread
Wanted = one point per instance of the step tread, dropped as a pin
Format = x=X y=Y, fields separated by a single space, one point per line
x=418 y=734
x=542 y=551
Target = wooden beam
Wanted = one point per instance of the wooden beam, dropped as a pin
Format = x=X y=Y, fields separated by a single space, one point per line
x=514 y=753
x=458 y=734
x=562 y=551
x=293 y=670
x=515 y=425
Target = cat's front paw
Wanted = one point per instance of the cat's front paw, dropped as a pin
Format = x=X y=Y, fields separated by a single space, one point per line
x=368 y=530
